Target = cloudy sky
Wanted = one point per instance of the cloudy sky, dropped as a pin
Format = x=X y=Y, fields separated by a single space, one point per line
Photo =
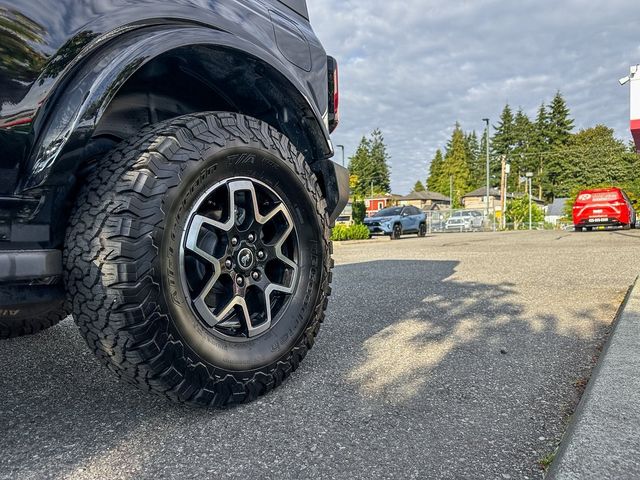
x=415 y=67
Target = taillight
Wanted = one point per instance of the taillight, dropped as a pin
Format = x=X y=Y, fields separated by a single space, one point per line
x=334 y=93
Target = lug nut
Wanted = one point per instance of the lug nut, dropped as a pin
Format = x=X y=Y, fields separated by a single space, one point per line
x=228 y=263
x=239 y=281
x=260 y=254
x=234 y=241
x=251 y=237
x=255 y=275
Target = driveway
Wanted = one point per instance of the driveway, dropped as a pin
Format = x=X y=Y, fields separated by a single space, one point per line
x=451 y=356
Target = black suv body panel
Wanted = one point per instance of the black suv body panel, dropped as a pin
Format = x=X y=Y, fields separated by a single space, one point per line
x=67 y=67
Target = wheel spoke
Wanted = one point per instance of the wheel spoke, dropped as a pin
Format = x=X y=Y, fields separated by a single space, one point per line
x=200 y=304
x=263 y=219
x=237 y=301
x=278 y=249
x=195 y=228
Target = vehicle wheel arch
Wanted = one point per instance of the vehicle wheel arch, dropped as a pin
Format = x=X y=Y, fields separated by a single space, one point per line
x=94 y=92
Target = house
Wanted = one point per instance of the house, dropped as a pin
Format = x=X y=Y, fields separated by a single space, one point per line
x=375 y=204
x=555 y=211
x=425 y=200
x=475 y=200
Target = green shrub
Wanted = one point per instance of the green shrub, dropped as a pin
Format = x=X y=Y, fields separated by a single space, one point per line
x=349 y=232
x=518 y=212
x=358 y=212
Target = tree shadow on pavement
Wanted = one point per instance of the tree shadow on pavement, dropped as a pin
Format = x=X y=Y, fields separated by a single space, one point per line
x=415 y=374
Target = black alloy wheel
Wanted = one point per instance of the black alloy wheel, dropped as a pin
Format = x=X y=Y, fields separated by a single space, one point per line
x=239 y=258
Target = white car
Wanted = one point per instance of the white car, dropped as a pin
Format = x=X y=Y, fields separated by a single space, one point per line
x=346 y=217
x=464 y=221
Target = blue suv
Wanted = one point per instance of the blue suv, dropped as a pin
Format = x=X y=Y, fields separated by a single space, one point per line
x=395 y=221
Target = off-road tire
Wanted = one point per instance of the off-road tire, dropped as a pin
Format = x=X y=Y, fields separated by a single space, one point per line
x=17 y=327
x=118 y=260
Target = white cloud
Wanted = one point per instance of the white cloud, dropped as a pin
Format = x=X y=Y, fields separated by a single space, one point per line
x=414 y=68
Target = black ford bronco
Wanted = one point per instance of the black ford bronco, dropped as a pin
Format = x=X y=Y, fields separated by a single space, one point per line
x=165 y=178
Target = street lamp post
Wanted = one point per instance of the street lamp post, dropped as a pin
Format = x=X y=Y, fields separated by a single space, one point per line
x=504 y=193
x=342 y=147
x=529 y=175
x=486 y=206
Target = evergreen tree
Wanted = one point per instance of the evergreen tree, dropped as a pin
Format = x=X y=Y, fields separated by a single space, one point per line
x=502 y=143
x=359 y=167
x=503 y=140
x=559 y=124
x=481 y=180
x=520 y=157
x=418 y=187
x=369 y=166
x=379 y=159
x=540 y=147
x=436 y=181
x=456 y=165
x=557 y=165
x=475 y=160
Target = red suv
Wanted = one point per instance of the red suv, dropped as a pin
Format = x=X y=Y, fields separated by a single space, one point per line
x=603 y=207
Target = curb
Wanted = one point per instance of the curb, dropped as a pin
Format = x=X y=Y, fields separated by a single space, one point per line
x=603 y=439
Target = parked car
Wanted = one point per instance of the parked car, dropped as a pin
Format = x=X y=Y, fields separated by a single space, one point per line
x=346 y=216
x=437 y=221
x=603 y=207
x=464 y=221
x=167 y=180
x=397 y=221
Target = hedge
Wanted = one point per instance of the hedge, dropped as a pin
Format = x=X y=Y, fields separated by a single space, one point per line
x=350 y=232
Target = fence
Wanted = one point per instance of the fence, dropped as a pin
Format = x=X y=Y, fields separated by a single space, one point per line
x=462 y=220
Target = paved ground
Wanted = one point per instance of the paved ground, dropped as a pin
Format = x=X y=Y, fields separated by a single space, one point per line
x=602 y=442
x=453 y=356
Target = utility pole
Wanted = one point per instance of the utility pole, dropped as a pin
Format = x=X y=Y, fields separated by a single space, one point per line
x=507 y=171
x=371 y=188
x=342 y=147
x=503 y=172
x=529 y=175
x=504 y=187
x=486 y=208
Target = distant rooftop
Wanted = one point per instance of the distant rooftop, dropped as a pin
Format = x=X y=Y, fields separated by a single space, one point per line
x=557 y=207
x=495 y=192
x=426 y=195
x=481 y=192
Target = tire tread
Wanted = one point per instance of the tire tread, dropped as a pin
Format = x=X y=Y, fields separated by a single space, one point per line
x=109 y=261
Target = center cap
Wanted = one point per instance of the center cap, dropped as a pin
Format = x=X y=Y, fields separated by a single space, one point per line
x=245 y=258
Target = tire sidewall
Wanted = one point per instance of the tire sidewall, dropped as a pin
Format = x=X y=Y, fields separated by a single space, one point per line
x=253 y=162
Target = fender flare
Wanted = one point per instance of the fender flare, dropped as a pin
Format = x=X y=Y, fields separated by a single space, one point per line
x=90 y=89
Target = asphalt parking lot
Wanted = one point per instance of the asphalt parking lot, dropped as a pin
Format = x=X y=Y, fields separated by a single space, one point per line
x=451 y=356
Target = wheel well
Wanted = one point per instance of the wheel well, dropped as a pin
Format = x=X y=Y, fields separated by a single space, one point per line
x=201 y=78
